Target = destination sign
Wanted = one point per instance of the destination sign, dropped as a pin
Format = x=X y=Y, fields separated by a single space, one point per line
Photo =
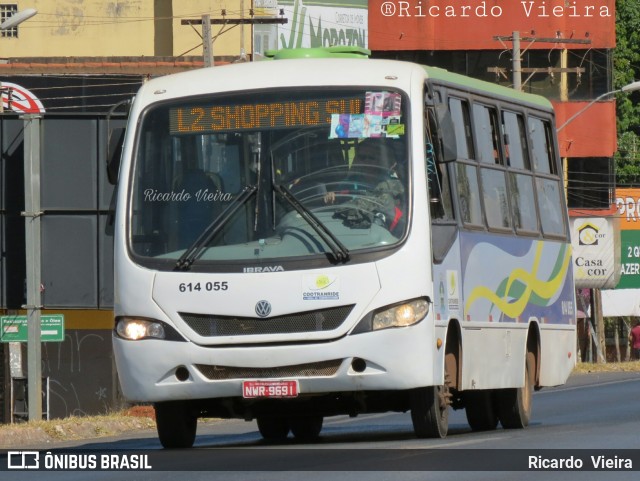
x=256 y=116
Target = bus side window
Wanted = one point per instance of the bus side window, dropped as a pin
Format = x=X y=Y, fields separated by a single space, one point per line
x=541 y=146
x=440 y=198
x=462 y=125
x=469 y=194
x=523 y=202
x=496 y=203
x=550 y=204
x=485 y=121
x=515 y=134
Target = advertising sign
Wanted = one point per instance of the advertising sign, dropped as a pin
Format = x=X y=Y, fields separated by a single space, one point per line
x=15 y=328
x=321 y=23
x=628 y=210
x=596 y=254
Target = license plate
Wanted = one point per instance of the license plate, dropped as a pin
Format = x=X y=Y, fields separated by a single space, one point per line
x=253 y=389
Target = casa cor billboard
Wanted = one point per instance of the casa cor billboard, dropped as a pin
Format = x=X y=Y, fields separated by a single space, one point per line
x=596 y=255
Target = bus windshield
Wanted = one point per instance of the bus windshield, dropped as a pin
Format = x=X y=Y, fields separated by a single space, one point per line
x=270 y=175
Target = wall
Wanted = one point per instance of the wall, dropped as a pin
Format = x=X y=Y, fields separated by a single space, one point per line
x=77 y=263
x=96 y=28
x=592 y=134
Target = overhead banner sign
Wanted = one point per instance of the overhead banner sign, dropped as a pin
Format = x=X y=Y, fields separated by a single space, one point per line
x=596 y=252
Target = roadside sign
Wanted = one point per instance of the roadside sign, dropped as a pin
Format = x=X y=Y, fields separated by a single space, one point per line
x=14 y=328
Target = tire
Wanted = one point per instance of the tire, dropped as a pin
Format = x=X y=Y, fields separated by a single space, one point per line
x=274 y=429
x=479 y=407
x=430 y=411
x=306 y=428
x=176 y=424
x=514 y=405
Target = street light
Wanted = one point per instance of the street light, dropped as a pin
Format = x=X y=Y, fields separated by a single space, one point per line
x=13 y=21
x=18 y=18
x=632 y=87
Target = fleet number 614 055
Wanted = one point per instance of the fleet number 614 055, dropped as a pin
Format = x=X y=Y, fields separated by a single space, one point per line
x=203 y=286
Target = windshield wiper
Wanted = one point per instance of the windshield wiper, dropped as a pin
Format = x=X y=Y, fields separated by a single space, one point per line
x=190 y=255
x=338 y=249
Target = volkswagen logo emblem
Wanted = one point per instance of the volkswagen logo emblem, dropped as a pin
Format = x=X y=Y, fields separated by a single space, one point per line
x=263 y=308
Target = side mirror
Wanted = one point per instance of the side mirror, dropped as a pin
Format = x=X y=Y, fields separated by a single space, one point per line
x=447 y=133
x=114 y=153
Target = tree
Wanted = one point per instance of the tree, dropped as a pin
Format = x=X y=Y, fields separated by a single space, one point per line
x=626 y=61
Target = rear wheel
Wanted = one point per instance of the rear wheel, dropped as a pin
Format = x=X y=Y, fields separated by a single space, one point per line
x=514 y=405
x=273 y=428
x=306 y=428
x=430 y=411
x=176 y=424
x=479 y=407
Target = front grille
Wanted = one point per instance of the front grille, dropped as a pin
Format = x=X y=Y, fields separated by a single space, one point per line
x=313 y=369
x=208 y=325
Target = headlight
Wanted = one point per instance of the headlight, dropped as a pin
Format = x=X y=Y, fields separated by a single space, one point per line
x=399 y=315
x=402 y=315
x=134 y=329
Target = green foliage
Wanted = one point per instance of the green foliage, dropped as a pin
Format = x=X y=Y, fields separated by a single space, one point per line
x=627 y=159
x=626 y=61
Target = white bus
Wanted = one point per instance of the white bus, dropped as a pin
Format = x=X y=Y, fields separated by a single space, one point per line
x=310 y=237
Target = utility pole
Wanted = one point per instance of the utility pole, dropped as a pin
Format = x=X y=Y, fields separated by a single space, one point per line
x=243 y=54
x=208 y=21
x=516 y=52
x=32 y=215
x=601 y=346
x=517 y=62
x=207 y=41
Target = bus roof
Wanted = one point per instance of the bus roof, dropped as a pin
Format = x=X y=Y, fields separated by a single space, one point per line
x=435 y=73
x=338 y=51
x=283 y=70
x=479 y=86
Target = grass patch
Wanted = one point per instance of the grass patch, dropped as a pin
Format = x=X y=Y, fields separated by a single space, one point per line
x=586 y=367
x=71 y=428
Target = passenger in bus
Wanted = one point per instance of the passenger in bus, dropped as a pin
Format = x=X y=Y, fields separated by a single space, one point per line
x=374 y=185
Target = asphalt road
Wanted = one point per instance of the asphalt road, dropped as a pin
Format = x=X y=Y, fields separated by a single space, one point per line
x=592 y=419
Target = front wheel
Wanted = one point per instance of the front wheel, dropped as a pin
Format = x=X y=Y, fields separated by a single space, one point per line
x=430 y=411
x=176 y=424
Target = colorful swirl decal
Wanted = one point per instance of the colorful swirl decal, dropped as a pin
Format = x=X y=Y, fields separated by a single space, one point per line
x=522 y=287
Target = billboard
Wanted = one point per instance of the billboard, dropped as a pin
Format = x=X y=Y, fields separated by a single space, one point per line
x=596 y=254
x=323 y=23
x=473 y=24
x=628 y=213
